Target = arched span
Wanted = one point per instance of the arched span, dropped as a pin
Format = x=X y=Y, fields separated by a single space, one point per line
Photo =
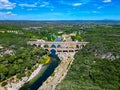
x=46 y=49
x=53 y=51
x=58 y=46
x=53 y=46
x=34 y=45
x=46 y=46
x=39 y=46
x=77 y=46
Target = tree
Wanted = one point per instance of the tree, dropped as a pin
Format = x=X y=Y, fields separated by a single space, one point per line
x=78 y=37
x=73 y=38
x=3 y=69
x=4 y=83
x=20 y=61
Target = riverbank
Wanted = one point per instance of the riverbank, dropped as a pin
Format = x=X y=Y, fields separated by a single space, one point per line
x=35 y=72
x=47 y=69
x=13 y=85
x=17 y=83
x=20 y=83
x=60 y=72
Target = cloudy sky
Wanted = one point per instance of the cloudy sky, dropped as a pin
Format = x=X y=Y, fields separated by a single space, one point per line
x=59 y=9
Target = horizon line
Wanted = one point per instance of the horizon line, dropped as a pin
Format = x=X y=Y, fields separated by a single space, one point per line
x=64 y=20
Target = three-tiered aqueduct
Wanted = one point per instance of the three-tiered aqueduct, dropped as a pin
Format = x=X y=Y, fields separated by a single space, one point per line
x=71 y=46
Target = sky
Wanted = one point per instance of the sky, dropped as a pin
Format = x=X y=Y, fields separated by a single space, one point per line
x=59 y=9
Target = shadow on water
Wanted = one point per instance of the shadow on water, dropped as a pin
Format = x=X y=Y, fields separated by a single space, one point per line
x=45 y=72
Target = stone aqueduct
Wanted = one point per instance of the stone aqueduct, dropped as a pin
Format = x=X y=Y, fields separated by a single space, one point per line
x=71 y=46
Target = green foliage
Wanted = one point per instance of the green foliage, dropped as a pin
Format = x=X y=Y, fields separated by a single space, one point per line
x=53 y=74
x=73 y=38
x=20 y=61
x=3 y=69
x=89 y=71
x=77 y=37
x=24 y=57
x=4 y=83
x=42 y=60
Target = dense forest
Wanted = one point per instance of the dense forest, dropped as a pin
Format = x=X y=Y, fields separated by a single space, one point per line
x=97 y=65
x=16 y=56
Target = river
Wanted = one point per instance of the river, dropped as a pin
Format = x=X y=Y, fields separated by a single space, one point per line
x=44 y=73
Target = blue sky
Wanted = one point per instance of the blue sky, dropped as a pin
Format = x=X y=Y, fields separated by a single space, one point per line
x=59 y=9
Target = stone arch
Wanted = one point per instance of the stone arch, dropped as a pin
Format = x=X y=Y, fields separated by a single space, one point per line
x=71 y=50
x=53 y=51
x=65 y=50
x=53 y=46
x=46 y=46
x=46 y=49
x=39 y=45
x=58 y=46
x=77 y=46
x=35 y=45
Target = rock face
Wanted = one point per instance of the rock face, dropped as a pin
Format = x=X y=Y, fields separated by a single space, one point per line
x=7 y=52
x=108 y=56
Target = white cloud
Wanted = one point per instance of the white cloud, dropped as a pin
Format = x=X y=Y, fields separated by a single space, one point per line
x=107 y=1
x=28 y=5
x=44 y=4
x=99 y=7
x=7 y=14
x=6 y=4
x=77 y=4
x=36 y=4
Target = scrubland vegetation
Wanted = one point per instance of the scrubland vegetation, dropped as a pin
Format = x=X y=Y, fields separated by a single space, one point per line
x=96 y=66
